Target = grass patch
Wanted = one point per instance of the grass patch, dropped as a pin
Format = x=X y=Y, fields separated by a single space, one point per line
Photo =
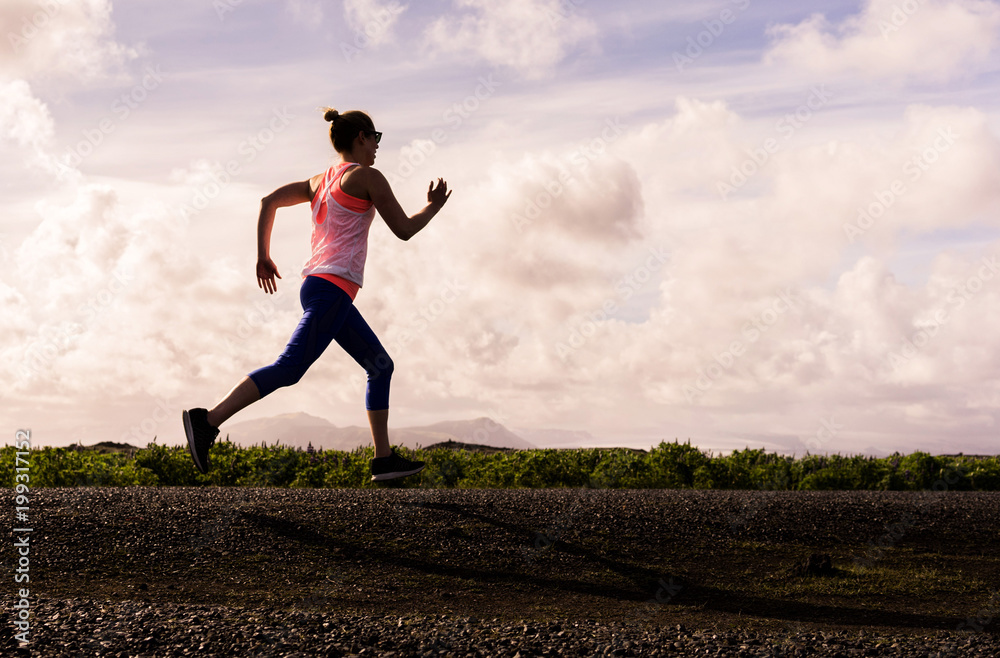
x=901 y=580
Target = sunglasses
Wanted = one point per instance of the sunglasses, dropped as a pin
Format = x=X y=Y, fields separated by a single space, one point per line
x=378 y=135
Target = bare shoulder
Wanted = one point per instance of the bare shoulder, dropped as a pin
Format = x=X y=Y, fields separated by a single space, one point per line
x=314 y=184
x=363 y=173
x=361 y=181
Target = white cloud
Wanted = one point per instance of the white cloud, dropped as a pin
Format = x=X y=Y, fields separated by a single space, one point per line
x=109 y=296
x=731 y=266
x=573 y=314
x=374 y=19
x=529 y=36
x=56 y=40
x=630 y=280
x=916 y=40
x=61 y=39
x=26 y=122
x=516 y=316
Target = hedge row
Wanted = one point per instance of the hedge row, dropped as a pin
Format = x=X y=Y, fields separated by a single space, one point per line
x=667 y=466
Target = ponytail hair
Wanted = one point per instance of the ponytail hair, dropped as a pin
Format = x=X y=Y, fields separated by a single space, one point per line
x=345 y=127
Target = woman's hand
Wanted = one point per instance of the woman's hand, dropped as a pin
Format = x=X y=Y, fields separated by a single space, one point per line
x=266 y=271
x=436 y=196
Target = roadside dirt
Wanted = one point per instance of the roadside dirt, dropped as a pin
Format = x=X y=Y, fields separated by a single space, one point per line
x=905 y=563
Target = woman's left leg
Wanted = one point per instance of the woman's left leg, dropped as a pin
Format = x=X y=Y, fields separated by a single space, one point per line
x=239 y=397
x=324 y=309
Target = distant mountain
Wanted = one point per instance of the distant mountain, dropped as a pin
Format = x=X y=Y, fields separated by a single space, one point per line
x=558 y=438
x=301 y=429
x=481 y=431
x=106 y=447
x=297 y=430
x=470 y=447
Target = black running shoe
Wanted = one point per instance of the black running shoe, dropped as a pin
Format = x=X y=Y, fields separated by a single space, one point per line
x=200 y=436
x=393 y=466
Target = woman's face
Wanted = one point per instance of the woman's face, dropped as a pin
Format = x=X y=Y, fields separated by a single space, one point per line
x=366 y=140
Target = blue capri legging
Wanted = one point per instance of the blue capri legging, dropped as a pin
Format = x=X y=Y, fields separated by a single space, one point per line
x=329 y=314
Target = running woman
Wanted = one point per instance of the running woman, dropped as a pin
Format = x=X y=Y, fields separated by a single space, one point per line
x=343 y=199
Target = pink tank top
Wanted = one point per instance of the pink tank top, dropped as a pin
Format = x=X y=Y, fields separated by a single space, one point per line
x=340 y=232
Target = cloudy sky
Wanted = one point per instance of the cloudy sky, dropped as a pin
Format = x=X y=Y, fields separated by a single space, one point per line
x=744 y=222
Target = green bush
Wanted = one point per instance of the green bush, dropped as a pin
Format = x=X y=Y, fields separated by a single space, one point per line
x=666 y=466
x=169 y=465
x=984 y=474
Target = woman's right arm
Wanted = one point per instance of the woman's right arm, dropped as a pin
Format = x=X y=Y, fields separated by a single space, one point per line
x=403 y=227
x=289 y=195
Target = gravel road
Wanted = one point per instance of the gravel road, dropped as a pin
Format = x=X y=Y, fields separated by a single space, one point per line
x=427 y=572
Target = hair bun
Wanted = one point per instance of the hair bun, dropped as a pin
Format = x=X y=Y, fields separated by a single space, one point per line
x=331 y=114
